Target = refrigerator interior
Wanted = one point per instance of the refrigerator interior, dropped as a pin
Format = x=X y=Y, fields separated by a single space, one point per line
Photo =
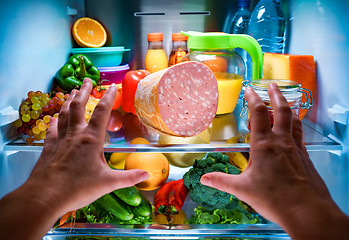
x=36 y=41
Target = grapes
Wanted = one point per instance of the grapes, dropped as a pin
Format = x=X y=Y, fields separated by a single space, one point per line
x=26 y=118
x=37 y=110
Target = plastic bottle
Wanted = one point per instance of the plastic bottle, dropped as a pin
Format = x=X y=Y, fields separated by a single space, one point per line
x=240 y=26
x=156 y=58
x=267 y=26
x=179 y=48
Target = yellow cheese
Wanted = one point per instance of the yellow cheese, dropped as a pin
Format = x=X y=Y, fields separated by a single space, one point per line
x=299 y=68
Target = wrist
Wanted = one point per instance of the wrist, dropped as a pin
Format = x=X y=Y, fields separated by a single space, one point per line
x=314 y=219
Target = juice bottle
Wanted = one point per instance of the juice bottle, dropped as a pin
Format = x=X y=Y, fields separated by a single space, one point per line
x=179 y=49
x=156 y=58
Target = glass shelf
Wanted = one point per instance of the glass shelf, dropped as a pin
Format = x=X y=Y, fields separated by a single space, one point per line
x=222 y=128
x=154 y=231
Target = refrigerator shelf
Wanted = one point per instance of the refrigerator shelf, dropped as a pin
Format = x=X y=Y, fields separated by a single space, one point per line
x=314 y=141
x=155 y=231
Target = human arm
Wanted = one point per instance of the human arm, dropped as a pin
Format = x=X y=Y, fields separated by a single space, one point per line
x=280 y=181
x=70 y=173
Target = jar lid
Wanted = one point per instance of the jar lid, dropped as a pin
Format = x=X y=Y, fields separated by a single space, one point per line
x=179 y=37
x=153 y=37
x=283 y=84
x=210 y=40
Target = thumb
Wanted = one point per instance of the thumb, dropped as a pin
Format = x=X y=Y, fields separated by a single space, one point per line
x=222 y=181
x=127 y=178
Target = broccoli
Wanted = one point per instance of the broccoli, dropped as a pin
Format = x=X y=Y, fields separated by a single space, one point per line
x=210 y=198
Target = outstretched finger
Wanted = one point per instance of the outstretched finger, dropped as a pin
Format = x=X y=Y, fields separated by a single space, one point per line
x=229 y=183
x=100 y=117
x=259 y=116
x=126 y=178
x=282 y=111
x=78 y=105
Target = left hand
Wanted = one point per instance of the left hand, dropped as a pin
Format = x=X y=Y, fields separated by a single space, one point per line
x=72 y=163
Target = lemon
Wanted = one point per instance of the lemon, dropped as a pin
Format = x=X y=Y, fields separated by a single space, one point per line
x=117 y=160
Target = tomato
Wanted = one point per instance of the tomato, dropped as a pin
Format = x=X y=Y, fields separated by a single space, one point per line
x=98 y=93
x=115 y=121
x=129 y=86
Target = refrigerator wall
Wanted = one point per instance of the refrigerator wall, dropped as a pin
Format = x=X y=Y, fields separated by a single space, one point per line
x=36 y=41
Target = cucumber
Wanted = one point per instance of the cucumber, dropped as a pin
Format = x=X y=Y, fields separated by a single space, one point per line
x=130 y=195
x=115 y=206
x=144 y=209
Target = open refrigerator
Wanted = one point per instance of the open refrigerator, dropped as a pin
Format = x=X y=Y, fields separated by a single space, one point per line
x=36 y=40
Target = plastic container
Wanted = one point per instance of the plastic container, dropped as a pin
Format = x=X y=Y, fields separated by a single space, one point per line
x=267 y=26
x=115 y=75
x=156 y=58
x=217 y=51
x=291 y=90
x=179 y=49
x=104 y=56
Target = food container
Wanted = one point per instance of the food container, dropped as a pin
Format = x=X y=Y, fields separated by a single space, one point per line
x=111 y=75
x=291 y=90
x=217 y=51
x=103 y=56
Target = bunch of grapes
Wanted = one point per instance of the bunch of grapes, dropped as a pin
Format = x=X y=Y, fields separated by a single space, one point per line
x=35 y=113
x=38 y=108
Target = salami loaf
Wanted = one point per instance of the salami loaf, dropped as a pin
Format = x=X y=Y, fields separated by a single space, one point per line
x=180 y=100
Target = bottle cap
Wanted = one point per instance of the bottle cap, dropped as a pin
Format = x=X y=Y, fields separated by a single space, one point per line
x=179 y=37
x=243 y=3
x=152 y=37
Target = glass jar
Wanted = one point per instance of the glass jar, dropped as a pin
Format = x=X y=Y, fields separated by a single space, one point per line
x=228 y=68
x=217 y=51
x=291 y=90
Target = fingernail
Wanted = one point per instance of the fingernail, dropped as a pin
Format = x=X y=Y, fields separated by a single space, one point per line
x=87 y=80
x=273 y=85
x=248 y=89
x=143 y=176
x=206 y=180
x=113 y=85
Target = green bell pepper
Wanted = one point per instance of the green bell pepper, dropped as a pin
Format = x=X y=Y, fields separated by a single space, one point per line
x=73 y=73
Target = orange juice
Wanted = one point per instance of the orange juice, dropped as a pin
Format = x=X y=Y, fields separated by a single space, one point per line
x=155 y=60
x=229 y=88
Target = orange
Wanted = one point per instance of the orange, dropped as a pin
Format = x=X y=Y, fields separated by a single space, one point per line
x=139 y=140
x=218 y=64
x=156 y=164
x=117 y=159
x=88 y=32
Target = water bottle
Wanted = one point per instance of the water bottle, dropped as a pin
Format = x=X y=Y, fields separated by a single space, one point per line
x=240 y=26
x=241 y=18
x=267 y=26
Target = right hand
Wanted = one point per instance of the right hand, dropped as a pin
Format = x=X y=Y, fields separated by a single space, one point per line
x=280 y=181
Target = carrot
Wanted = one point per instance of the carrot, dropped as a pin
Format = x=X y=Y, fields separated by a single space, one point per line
x=161 y=199
x=179 y=197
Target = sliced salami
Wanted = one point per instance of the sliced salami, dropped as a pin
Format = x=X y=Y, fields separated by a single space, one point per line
x=181 y=100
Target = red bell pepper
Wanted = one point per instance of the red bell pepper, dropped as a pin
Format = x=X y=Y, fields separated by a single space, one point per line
x=129 y=87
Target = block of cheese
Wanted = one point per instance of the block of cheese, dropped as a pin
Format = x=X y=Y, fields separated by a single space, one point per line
x=300 y=68
x=180 y=100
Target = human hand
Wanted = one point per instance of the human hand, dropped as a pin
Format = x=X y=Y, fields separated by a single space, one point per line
x=72 y=165
x=280 y=179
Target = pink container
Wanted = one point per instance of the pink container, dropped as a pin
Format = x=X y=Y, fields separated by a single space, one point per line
x=115 y=75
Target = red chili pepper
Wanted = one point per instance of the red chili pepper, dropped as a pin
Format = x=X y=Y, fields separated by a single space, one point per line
x=129 y=87
x=179 y=197
x=161 y=199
